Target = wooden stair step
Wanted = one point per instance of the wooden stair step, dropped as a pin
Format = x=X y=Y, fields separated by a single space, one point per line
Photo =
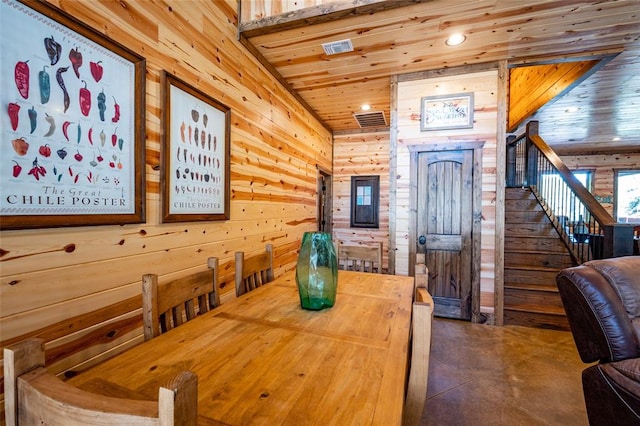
x=536 y=309
x=549 y=260
x=551 y=288
x=530 y=229
x=519 y=216
x=541 y=300
x=534 y=277
x=532 y=268
x=550 y=321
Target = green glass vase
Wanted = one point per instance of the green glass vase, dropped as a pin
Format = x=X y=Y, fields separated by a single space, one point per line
x=317 y=271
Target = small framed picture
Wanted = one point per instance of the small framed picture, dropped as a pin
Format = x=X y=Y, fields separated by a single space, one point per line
x=447 y=112
x=195 y=169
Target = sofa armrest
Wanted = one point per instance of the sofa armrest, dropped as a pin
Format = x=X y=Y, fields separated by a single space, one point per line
x=600 y=325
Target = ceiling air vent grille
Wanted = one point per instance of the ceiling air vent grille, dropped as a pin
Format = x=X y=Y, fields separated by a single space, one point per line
x=336 y=47
x=371 y=119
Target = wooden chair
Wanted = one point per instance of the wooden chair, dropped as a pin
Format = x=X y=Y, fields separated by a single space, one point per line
x=360 y=258
x=34 y=396
x=421 y=321
x=166 y=305
x=254 y=271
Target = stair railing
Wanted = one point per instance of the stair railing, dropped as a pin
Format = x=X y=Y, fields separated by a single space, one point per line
x=587 y=229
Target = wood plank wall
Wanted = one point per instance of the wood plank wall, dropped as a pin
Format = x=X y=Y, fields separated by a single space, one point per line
x=411 y=88
x=79 y=288
x=360 y=154
x=602 y=166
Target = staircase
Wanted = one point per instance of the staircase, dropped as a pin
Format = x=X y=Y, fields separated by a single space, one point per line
x=534 y=254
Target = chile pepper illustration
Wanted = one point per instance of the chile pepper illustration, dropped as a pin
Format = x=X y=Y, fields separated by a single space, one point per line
x=20 y=146
x=103 y=138
x=96 y=70
x=90 y=135
x=17 y=168
x=14 y=110
x=85 y=100
x=45 y=150
x=120 y=143
x=116 y=112
x=52 y=124
x=102 y=106
x=76 y=60
x=182 y=127
x=114 y=138
x=61 y=153
x=44 y=83
x=205 y=119
x=79 y=132
x=54 y=49
x=60 y=81
x=196 y=135
x=37 y=170
x=65 y=129
x=21 y=76
x=33 y=118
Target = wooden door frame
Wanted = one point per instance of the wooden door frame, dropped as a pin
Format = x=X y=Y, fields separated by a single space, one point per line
x=476 y=147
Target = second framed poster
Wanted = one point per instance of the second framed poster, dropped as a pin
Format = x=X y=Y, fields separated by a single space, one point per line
x=195 y=170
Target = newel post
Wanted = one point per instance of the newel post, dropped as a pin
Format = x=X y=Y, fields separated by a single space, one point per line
x=531 y=156
x=511 y=161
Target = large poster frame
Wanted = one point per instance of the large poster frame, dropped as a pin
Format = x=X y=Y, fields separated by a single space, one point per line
x=73 y=122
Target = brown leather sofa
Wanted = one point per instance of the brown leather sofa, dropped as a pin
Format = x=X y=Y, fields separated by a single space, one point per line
x=602 y=302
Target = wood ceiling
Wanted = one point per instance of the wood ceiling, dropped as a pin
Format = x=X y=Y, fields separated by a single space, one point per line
x=402 y=36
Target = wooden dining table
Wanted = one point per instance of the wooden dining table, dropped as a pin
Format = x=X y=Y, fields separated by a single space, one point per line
x=263 y=360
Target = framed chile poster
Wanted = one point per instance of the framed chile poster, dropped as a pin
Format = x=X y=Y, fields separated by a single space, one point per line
x=73 y=122
x=195 y=161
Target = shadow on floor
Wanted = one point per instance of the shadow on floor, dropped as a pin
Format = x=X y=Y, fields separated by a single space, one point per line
x=512 y=375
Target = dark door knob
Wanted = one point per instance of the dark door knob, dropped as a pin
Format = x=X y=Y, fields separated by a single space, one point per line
x=422 y=240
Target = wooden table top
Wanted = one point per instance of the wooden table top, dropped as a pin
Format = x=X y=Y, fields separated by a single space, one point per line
x=261 y=359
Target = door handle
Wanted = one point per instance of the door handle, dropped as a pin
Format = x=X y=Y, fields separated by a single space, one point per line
x=422 y=240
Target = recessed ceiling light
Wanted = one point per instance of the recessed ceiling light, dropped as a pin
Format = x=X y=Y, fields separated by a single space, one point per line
x=455 y=39
x=365 y=107
x=572 y=109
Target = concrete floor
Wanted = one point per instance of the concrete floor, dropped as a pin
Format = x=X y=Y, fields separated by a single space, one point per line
x=487 y=375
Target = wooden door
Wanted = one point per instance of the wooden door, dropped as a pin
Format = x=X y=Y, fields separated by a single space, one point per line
x=444 y=228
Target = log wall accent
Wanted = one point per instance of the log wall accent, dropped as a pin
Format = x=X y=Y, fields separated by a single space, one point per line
x=360 y=154
x=484 y=84
x=79 y=288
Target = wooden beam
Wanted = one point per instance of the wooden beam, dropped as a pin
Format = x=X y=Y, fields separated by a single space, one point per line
x=318 y=15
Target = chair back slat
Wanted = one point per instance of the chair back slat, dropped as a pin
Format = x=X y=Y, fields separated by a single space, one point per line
x=170 y=303
x=360 y=258
x=253 y=271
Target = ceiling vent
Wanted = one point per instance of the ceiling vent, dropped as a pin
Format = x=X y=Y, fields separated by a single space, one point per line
x=371 y=119
x=336 y=47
